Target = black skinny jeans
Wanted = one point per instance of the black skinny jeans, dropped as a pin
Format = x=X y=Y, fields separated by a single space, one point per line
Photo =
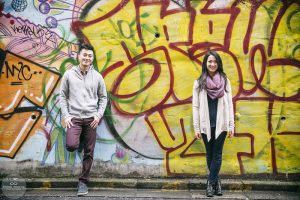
x=214 y=149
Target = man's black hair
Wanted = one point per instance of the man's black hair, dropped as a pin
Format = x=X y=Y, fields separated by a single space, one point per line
x=85 y=46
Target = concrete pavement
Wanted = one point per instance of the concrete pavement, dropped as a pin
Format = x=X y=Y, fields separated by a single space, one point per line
x=167 y=188
x=166 y=183
x=155 y=194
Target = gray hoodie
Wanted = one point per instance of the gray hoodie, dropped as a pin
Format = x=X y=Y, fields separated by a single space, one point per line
x=82 y=96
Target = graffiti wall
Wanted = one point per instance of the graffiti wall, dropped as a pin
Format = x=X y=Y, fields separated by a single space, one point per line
x=149 y=53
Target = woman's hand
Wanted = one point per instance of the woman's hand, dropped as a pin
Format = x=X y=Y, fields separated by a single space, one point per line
x=198 y=135
x=230 y=134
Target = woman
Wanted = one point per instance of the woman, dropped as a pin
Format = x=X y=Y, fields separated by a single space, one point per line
x=213 y=116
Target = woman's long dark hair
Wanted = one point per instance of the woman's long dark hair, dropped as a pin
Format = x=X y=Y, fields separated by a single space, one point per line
x=204 y=74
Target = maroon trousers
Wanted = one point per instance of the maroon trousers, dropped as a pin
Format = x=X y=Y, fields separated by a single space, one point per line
x=82 y=130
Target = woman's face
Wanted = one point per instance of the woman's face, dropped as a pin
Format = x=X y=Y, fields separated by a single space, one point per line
x=212 y=65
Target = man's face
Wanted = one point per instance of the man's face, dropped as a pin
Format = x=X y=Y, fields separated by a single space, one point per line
x=86 y=57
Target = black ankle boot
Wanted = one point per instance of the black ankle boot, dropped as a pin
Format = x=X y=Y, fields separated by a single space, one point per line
x=209 y=189
x=217 y=187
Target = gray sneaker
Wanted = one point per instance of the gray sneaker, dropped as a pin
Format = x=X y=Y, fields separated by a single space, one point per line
x=82 y=189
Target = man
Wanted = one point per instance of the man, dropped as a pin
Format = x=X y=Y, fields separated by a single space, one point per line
x=83 y=100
